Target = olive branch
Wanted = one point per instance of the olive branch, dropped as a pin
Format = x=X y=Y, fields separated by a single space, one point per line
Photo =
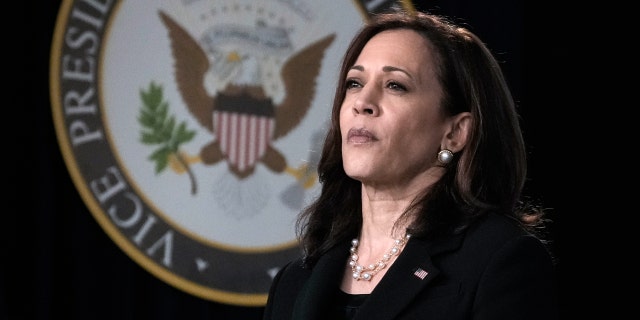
x=159 y=128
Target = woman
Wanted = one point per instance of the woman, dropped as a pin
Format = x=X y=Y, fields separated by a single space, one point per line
x=422 y=170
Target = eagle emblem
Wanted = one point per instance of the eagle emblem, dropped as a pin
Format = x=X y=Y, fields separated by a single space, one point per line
x=241 y=115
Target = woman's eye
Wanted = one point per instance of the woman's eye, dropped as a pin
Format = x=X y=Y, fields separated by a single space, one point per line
x=352 y=84
x=396 y=86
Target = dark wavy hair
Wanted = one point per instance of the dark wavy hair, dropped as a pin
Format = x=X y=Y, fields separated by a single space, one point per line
x=488 y=175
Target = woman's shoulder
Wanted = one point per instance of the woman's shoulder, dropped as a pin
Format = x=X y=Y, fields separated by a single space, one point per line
x=499 y=232
x=497 y=226
x=294 y=271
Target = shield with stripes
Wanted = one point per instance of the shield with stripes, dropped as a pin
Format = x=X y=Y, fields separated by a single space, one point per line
x=243 y=137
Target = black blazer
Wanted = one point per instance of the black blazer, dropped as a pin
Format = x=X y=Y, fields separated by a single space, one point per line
x=492 y=271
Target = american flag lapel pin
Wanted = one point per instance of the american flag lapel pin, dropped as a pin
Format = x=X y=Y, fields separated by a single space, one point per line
x=420 y=273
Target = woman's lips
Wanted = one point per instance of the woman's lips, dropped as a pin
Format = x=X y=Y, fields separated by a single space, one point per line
x=360 y=136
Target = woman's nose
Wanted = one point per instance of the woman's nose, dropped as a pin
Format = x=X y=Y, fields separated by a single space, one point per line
x=366 y=103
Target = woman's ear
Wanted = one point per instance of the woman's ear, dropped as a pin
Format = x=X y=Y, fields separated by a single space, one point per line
x=459 y=130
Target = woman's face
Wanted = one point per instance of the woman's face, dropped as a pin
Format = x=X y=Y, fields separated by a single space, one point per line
x=390 y=120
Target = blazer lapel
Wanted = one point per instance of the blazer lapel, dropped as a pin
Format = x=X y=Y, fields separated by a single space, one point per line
x=408 y=275
x=320 y=289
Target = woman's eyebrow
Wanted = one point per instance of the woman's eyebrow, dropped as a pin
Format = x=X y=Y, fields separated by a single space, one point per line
x=385 y=69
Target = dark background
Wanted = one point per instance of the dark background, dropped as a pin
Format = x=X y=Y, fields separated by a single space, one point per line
x=58 y=262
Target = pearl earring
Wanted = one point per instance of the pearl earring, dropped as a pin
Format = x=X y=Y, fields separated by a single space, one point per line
x=445 y=156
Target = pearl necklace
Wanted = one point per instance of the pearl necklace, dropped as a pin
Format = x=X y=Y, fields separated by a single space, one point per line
x=366 y=273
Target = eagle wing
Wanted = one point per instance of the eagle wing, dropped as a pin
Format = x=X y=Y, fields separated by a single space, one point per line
x=190 y=65
x=299 y=75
